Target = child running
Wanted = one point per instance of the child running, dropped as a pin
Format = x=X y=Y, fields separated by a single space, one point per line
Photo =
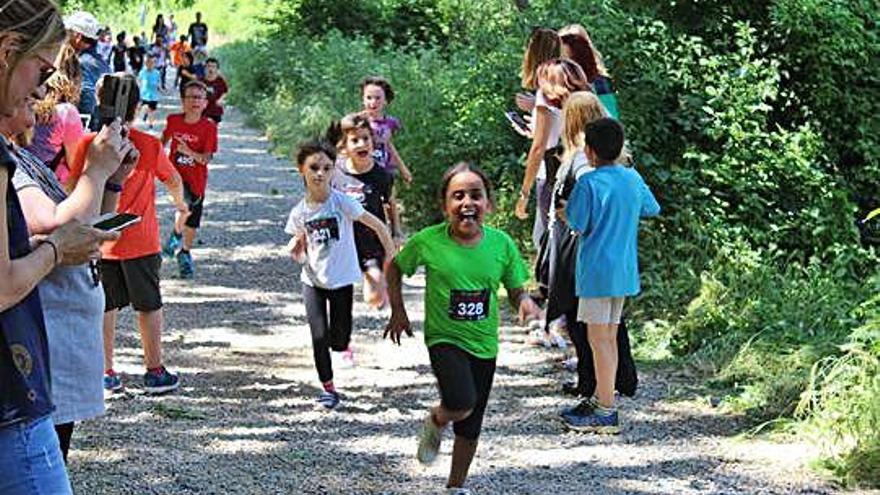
x=465 y=262
x=193 y=144
x=323 y=241
x=149 y=81
x=363 y=180
x=377 y=93
x=217 y=89
x=605 y=207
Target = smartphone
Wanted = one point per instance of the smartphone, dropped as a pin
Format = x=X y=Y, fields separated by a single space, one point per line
x=115 y=95
x=517 y=120
x=114 y=222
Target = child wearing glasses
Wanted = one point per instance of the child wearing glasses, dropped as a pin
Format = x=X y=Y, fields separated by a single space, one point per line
x=193 y=141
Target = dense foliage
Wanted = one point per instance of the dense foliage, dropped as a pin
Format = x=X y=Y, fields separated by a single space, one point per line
x=754 y=122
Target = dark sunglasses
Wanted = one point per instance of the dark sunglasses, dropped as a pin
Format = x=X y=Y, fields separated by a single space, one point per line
x=46 y=71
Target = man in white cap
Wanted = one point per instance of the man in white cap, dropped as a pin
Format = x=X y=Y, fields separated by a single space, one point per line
x=84 y=31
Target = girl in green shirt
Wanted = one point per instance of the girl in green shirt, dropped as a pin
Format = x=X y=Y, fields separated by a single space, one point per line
x=465 y=264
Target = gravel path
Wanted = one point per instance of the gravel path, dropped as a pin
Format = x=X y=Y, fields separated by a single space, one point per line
x=244 y=420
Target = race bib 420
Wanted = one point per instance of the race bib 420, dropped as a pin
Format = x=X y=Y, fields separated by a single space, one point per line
x=469 y=305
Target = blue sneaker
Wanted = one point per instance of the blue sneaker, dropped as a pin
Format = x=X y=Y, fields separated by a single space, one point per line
x=185 y=266
x=585 y=406
x=112 y=382
x=599 y=420
x=330 y=400
x=160 y=383
x=173 y=243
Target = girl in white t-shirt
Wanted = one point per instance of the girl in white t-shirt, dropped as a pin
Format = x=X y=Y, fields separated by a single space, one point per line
x=322 y=230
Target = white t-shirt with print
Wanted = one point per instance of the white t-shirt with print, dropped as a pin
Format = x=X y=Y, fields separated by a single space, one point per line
x=556 y=126
x=331 y=255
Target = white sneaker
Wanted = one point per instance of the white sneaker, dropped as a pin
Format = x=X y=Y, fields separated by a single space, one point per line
x=538 y=338
x=455 y=490
x=343 y=359
x=429 y=441
x=558 y=341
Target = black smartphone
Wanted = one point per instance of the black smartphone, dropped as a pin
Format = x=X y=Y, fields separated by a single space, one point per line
x=114 y=222
x=517 y=120
x=115 y=96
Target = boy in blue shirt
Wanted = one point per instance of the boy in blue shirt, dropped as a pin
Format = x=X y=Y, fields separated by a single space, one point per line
x=605 y=207
x=149 y=80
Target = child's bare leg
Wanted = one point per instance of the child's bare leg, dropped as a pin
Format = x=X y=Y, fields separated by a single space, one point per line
x=603 y=341
x=463 y=451
x=189 y=237
x=374 y=287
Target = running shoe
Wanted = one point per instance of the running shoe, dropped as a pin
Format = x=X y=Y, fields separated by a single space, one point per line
x=429 y=441
x=457 y=490
x=570 y=363
x=330 y=400
x=347 y=357
x=539 y=338
x=173 y=243
x=585 y=406
x=160 y=383
x=558 y=341
x=112 y=382
x=599 y=420
x=185 y=265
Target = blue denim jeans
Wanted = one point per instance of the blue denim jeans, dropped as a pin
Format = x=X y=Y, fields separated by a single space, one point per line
x=31 y=461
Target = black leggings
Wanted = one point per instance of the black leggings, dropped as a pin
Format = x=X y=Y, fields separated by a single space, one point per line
x=465 y=382
x=328 y=333
x=64 y=431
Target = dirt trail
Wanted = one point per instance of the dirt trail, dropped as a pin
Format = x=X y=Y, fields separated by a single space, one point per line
x=245 y=420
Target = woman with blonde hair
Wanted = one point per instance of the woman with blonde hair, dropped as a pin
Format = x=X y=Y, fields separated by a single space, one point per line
x=556 y=79
x=59 y=127
x=543 y=45
x=31 y=33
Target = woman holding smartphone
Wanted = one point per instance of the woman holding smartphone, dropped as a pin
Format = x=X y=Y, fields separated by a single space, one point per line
x=31 y=33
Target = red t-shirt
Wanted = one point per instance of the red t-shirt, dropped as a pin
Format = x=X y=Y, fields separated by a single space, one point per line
x=216 y=89
x=138 y=196
x=201 y=137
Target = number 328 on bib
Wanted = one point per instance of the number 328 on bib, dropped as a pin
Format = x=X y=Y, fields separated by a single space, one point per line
x=469 y=305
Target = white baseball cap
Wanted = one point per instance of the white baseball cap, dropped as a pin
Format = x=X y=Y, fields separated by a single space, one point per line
x=83 y=23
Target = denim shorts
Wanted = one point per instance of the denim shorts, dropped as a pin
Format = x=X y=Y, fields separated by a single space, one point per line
x=30 y=460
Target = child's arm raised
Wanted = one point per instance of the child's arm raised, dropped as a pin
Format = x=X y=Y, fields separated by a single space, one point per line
x=399 y=321
x=381 y=230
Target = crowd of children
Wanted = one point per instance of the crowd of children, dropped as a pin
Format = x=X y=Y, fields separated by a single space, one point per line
x=588 y=256
x=346 y=230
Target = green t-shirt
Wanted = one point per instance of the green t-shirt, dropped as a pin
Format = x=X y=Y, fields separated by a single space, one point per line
x=461 y=302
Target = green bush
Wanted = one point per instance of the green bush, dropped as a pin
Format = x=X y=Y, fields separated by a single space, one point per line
x=844 y=399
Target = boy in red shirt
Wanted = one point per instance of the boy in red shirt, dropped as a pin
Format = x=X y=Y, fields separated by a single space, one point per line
x=217 y=89
x=193 y=144
x=130 y=265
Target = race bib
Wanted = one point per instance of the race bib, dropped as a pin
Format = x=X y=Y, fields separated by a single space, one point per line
x=184 y=160
x=323 y=230
x=469 y=305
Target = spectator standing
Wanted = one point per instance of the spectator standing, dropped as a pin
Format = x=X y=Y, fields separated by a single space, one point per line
x=198 y=32
x=58 y=126
x=130 y=265
x=160 y=30
x=83 y=31
x=158 y=52
x=105 y=44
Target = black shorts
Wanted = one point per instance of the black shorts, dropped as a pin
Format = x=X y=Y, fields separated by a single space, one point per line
x=195 y=204
x=465 y=382
x=152 y=104
x=216 y=118
x=134 y=282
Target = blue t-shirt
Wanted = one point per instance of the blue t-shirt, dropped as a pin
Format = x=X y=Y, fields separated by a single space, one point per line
x=148 y=80
x=605 y=207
